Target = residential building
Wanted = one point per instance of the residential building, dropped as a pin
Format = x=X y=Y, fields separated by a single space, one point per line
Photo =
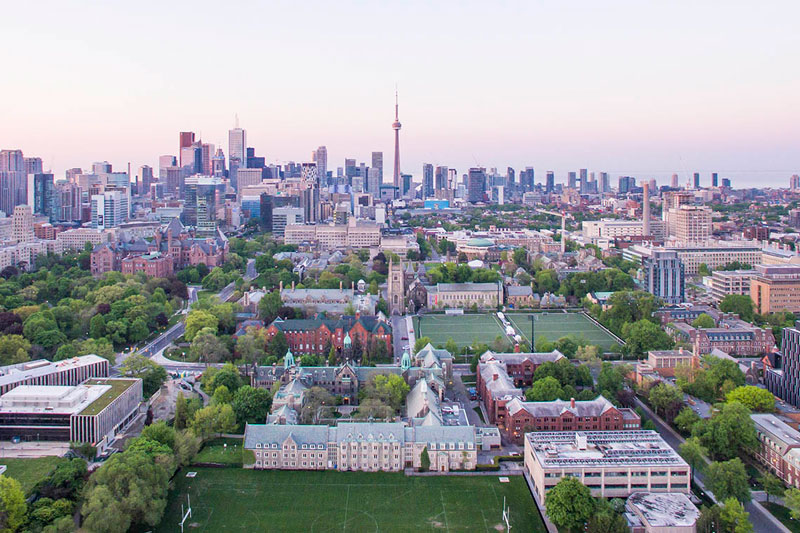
x=725 y=282
x=92 y=412
x=779 y=448
x=690 y=224
x=360 y=446
x=664 y=276
x=590 y=415
x=612 y=464
x=775 y=288
x=22 y=224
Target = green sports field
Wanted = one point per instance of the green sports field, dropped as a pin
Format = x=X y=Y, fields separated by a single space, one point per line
x=233 y=499
x=463 y=329
x=554 y=325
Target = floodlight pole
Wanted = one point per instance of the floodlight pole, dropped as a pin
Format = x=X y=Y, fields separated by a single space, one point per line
x=533 y=331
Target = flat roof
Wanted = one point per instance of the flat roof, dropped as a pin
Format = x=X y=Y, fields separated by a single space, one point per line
x=14 y=373
x=52 y=399
x=118 y=386
x=560 y=449
x=664 y=509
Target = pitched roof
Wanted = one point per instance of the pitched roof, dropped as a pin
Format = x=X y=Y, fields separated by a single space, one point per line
x=276 y=434
x=584 y=408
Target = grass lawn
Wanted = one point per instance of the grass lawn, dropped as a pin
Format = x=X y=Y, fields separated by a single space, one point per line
x=554 y=324
x=30 y=471
x=215 y=451
x=228 y=499
x=782 y=513
x=463 y=329
x=480 y=413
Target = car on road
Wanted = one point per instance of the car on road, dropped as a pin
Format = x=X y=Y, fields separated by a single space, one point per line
x=403 y=338
x=473 y=393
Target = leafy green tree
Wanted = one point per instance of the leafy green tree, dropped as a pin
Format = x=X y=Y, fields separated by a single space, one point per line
x=208 y=347
x=686 y=419
x=420 y=343
x=741 y=304
x=542 y=345
x=160 y=432
x=610 y=380
x=197 y=320
x=424 y=460
x=451 y=346
x=277 y=346
x=229 y=376
x=791 y=499
x=704 y=321
x=734 y=518
x=643 y=336
x=694 y=453
x=772 y=486
x=269 y=306
x=703 y=270
x=567 y=346
x=544 y=390
x=222 y=395
x=391 y=389
x=12 y=504
x=754 y=398
x=151 y=374
x=607 y=522
x=251 y=405
x=14 y=349
x=729 y=432
x=216 y=418
x=728 y=479
x=181 y=412
x=569 y=504
x=97 y=327
x=665 y=398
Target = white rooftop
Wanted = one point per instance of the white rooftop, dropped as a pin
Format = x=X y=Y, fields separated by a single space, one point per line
x=664 y=509
x=50 y=399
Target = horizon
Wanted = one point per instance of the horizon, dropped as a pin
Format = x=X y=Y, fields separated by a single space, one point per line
x=555 y=87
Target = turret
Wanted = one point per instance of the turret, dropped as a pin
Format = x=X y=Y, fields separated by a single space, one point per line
x=288 y=360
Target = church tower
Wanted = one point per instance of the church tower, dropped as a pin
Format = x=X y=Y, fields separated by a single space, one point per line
x=396 y=288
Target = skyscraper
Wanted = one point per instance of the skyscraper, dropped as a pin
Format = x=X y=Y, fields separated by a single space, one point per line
x=572 y=179
x=13 y=180
x=427 y=180
x=186 y=139
x=510 y=176
x=440 y=178
x=33 y=165
x=674 y=182
x=43 y=193
x=696 y=181
x=207 y=152
x=549 y=182
x=320 y=157
x=476 y=185
x=144 y=179
x=237 y=145
x=626 y=183
x=377 y=163
x=714 y=179
x=584 y=180
x=396 y=127
x=664 y=276
x=22 y=224
x=605 y=184
x=526 y=179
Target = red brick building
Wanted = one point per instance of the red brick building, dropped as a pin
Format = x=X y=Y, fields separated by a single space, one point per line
x=593 y=415
x=779 y=448
x=496 y=389
x=311 y=336
x=521 y=366
x=153 y=265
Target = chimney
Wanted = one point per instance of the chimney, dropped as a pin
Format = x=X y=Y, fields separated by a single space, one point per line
x=292 y=284
x=280 y=286
x=494 y=377
x=572 y=403
x=646 y=209
x=517 y=348
x=340 y=285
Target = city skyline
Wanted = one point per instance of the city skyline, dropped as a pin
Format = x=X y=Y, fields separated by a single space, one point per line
x=553 y=87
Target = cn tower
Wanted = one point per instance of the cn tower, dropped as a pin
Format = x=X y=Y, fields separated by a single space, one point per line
x=396 y=127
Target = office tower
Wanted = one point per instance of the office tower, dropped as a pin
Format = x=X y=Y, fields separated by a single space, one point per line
x=646 y=209
x=664 y=276
x=68 y=202
x=377 y=163
x=452 y=179
x=653 y=185
x=427 y=180
x=71 y=174
x=22 y=224
x=101 y=167
x=510 y=176
x=42 y=195
x=440 y=178
x=726 y=182
x=714 y=179
x=690 y=224
x=526 y=179
x=584 y=180
x=373 y=181
x=396 y=127
x=246 y=177
x=626 y=184
x=674 y=182
x=144 y=179
x=696 y=180
x=206 y=153
x=200 y=209
x=407 y=181
x=33 y=165
x=192 y=159
x=218 y=164
x=549 y=182
x=254 y=161
x=186 y=139
x=572 y=179
x=350 y=169
x=320 y=157
x=108 y=210
x=605 y=184
x=237 y=146
x=476 y=185
x=13 y=180
x=164 y=162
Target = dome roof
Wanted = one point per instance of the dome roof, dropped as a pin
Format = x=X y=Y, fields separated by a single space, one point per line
x=478 y=241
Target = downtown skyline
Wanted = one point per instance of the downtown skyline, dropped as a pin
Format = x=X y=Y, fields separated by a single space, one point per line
x=578 y=87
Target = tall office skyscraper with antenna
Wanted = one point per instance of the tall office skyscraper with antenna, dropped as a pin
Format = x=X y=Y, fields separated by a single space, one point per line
x=396 y=127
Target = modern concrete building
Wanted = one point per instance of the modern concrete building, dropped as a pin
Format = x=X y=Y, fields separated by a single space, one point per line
x=664 y=276
x=690 y=224
x=776 y=288
x=725 y=282
x=613 y=464
x=783 y=378
x=69 y=372
x=622 y=229
x=714 y=254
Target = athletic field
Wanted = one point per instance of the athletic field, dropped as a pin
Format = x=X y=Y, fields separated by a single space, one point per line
x=463 y=329
x=554 y=325
x=234 y=499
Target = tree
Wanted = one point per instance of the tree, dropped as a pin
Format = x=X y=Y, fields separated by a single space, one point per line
x=772 y=486
x=216 y=418
x=420 y=343
x=542 y=345
x=424 y=460
x=544 y=390
x=791 y=499
x=607 y=522
x=14 y=349
x=709 y=520
x=686 y=419
x=569 y=504
x=208 y=348
x=610 y=379
x=665 y=398
x=97 y=326
x=222 y=395
x=728 y=479
x=12 y=504
x=229 y=376
x=754 y=398
x=704 y=321
x=251 y=405
x=277 y=346
x=729 y=432
x=160 y=432
x=643 y=336
x=451 y=346
x=703 y=270
x=734 y=518
x=181 y=412
x=197 y=320
x=151 y=374
x=269 y=305
x=741 y=304
x=694 y=453
x=390 y=389
x=131 y=487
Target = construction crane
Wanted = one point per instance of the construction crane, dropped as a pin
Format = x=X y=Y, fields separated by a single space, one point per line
x=563 y=215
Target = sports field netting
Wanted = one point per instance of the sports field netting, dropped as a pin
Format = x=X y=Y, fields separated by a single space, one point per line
x=554 y=325
x=234 y=500
x=463 y=329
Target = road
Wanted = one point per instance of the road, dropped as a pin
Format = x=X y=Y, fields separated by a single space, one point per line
x=250 y=272
x=762 y=520
x=399 y=330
